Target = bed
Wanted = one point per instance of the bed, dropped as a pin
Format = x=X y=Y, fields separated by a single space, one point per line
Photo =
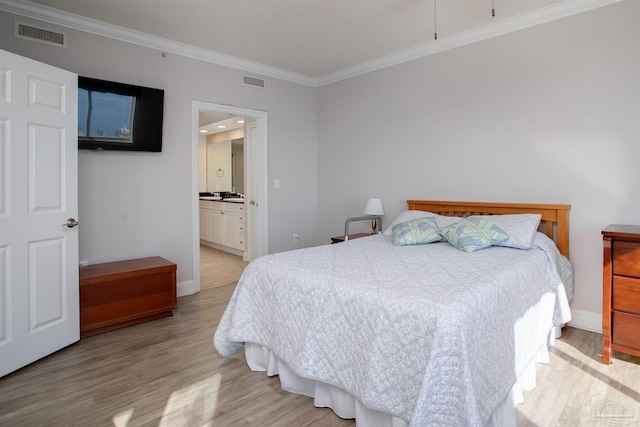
x=394 y=332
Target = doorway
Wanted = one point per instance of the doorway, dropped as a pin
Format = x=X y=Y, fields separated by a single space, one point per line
x=256 y=181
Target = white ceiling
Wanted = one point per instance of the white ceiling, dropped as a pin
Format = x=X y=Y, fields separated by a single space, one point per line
x=312 y=41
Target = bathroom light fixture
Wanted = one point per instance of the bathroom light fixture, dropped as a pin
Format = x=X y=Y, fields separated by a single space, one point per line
x=374 y=207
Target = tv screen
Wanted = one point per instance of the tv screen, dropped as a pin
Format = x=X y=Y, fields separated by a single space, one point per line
x=118 y=116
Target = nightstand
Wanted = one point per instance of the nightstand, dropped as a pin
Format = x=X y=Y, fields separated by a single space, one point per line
x=339 y=239
x=621 y=290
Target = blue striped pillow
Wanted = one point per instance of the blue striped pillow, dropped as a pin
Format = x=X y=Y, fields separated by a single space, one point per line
x=417 y=231
x=472 y=234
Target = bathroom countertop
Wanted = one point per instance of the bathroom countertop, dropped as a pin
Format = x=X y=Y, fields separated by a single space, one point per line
x=215 y=199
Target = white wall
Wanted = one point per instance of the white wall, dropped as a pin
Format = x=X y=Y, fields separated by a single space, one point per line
x=139 y=204
x=547 y=114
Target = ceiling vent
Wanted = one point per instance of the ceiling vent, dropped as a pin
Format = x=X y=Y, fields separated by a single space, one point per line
x=253 y=81
x=30 y=32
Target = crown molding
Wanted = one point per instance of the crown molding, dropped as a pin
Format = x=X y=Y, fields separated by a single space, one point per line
x=88 y=25
x=539 y=16
x=65 y=19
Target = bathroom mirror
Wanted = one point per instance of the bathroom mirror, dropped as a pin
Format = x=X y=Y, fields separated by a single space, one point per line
x=221 y=152
x=225 y=166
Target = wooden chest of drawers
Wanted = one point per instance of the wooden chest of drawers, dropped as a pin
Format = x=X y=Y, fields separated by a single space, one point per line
x=621 y=290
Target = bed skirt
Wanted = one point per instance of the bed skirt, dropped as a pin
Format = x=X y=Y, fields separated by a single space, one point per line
x=346 y=406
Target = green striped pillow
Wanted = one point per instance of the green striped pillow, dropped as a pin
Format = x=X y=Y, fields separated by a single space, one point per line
x=417 y=231
x=473 y=234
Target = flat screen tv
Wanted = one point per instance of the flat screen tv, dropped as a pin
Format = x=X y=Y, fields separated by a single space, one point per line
x=118 y=116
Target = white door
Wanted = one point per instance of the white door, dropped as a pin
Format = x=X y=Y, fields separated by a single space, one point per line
x=252 y=190
x=39 y=293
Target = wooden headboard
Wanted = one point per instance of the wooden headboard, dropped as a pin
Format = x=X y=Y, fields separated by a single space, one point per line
x=554 y=222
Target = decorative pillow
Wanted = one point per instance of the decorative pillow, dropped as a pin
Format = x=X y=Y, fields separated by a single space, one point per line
x=417 y=231
x=521 y=228
x=441 y=220
x=403 y=217
x=473 y=233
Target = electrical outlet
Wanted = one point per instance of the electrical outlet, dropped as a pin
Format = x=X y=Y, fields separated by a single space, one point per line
x=296 y=237
x=84 y=263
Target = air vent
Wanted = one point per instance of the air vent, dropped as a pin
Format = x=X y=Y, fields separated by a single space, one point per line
x=253 y=81
x=30 y=32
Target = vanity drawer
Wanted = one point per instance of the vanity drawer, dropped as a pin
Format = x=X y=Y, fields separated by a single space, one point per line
x=626 y=330
x=626 y=258
x=232 y=207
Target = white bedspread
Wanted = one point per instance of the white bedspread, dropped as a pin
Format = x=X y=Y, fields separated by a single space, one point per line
x=429 y=334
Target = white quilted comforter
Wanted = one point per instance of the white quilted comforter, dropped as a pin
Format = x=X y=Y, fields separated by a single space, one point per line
x=427 y=333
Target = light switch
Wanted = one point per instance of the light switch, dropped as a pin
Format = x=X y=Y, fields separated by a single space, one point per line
x=276 y=183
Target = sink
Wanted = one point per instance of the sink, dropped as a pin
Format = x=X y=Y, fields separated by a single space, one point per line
x=234 y=199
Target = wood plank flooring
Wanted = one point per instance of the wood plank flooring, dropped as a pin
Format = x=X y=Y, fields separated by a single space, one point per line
x=167 y=373
x=218 y=267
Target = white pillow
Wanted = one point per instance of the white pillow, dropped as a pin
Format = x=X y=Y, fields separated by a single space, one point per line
x=521 y=228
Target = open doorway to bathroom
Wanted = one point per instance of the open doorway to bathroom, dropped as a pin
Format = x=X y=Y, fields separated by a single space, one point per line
x=218 y=268
x=218 y=262
x=221 y=178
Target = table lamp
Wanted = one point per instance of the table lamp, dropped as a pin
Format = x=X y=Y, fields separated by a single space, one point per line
x=373 y=207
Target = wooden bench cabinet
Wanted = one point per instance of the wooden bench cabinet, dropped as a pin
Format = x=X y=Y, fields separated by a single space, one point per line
x=118 y=294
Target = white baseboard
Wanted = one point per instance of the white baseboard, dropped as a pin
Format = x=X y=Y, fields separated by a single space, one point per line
x=185 y=288
x=586 y=320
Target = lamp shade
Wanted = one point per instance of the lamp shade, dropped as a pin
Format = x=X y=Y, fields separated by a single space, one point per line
x=373 y=207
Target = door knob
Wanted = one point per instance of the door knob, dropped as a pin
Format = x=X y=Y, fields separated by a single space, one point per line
x=71 y=222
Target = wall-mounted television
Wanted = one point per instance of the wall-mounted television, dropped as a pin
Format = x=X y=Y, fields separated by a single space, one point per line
x=118 y=116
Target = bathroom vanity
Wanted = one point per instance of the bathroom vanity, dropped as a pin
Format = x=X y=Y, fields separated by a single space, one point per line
x=222 y=225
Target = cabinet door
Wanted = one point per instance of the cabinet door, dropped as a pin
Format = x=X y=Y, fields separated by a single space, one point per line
x=205 y=224
x=217 y=226
x=231 y=229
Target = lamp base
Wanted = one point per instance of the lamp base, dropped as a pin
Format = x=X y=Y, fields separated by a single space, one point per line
x=374 y=225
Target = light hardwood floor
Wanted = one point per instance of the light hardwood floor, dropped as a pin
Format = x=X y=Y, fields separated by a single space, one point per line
x=218 y=267
x=167 y=373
